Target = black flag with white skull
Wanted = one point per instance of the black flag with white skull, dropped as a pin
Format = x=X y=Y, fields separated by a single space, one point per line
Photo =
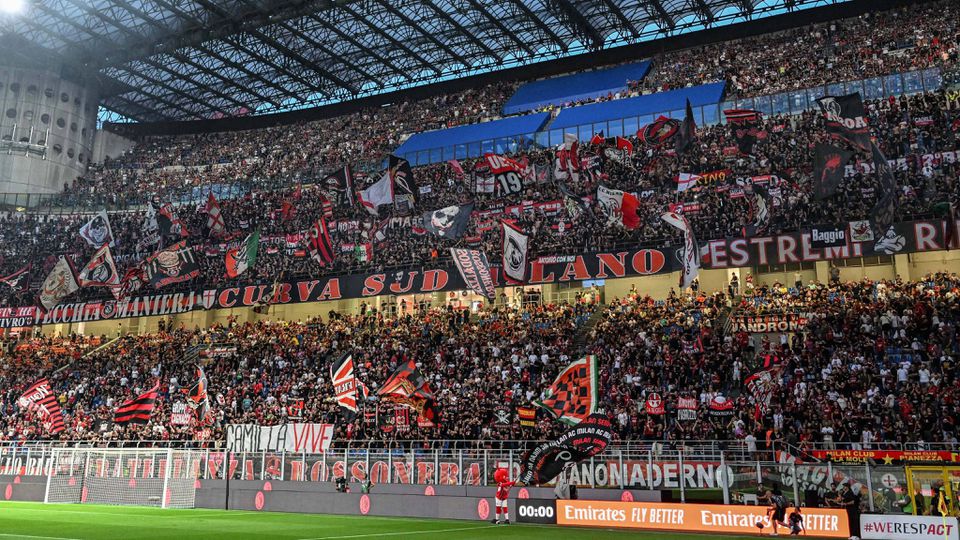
x=845 y=118
x=449 y=222
x=515 y=247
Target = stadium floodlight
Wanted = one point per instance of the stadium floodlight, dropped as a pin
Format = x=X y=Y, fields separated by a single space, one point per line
x=11 y=6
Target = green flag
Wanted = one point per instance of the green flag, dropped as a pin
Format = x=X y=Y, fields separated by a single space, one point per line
x=243 y=256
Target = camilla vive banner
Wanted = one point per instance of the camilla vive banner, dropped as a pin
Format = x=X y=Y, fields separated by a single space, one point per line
x=902 y=238
x=309 y=438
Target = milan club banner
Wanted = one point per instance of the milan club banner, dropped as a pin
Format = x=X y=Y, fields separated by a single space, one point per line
x=585 y=440
x=18 y=317
x=771 y=323
x=298 y=438
x=910 y=237
x=174 y=264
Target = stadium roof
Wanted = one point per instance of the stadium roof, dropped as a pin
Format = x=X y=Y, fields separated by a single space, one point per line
x=192 y=59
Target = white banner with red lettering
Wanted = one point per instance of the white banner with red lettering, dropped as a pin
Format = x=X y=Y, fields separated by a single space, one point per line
x=901 y=527
x=294 y=437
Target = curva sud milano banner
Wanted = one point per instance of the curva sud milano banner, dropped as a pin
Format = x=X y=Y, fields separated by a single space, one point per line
x=854 y=239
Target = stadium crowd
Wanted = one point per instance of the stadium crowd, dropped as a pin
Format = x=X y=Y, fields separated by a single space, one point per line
x=917 y=130
x=874 y=363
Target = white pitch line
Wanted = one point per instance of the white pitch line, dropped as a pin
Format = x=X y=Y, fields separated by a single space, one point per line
x=403 y=533
x=8 y=535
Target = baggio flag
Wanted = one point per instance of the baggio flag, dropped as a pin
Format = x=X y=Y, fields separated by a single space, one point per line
x=378 y=194
x=449 y=222
x=828 y=168
x=138 y=409
x=407 y=386
x=507 y=173
x=60 y=283
x=169 y=223
x=39 y=398
x=16 y=279
x=515 y=246
x=402 y=176
x=573 y=395
x=589 y=438
x=100 y=271
x=619 y=206
x=688 y=131
x=97 y=231
x=174 y=264
x=690 y=257
x=346 y=385
x=762 y=206
x=339 y=188
x=244 y=256
x=475 y=271
x=884 y=212
x=319 y=244
x=844 y=117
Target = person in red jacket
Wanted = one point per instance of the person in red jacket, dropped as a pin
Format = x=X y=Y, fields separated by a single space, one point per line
x=503 y=491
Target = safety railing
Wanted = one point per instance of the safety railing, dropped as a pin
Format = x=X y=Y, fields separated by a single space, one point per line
x=734 y=478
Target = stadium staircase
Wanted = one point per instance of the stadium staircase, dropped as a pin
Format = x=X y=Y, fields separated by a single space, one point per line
x=101 y=347
x=580 y=337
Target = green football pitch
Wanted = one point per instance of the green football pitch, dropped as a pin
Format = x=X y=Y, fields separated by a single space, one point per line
x=35 y=521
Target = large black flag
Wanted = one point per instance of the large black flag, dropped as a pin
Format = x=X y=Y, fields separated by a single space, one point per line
x=339 y=187
x=174 y=264
x=475 y=271
x=762 y=206
x=845 y=118
x=586 y=439
x=448 y=222
x=403 y=186
x=828 y=167
x=885 y=210
x=688 y=131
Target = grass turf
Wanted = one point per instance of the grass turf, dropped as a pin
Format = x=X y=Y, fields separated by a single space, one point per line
x=36 y=521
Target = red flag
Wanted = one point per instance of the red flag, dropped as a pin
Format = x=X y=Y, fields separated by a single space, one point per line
x=598 y=139
x=318 y=243
x=624 y=144
x=455 y=164
x=628 y=207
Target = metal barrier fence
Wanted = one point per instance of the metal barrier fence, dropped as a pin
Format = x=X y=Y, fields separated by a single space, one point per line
x=729 y=475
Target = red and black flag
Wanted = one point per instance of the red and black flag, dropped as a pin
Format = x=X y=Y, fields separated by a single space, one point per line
x=573 y=395
x=346 y=384
x=659 y=131
x=139 y=409
x=40 y=398
x=169 y=222
x=407 y=386
x=844 y=117
x=829 y=163
x=319 y=244
x=198 y=399
x=745 y=125
x=16 y=280
x=688 y=131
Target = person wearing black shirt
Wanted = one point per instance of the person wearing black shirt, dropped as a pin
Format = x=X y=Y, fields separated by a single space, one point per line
x=850 y=501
